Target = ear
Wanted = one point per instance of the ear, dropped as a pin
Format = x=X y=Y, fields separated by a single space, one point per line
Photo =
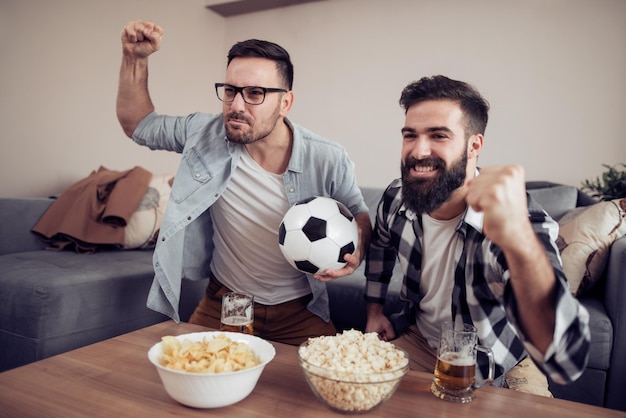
x=475 y=146
x=285 y=103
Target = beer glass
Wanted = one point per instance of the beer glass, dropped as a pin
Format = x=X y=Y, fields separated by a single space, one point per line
x=455 y=370
x=237 y=313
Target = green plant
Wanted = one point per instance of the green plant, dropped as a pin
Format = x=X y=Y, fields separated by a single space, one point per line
x=611 y=186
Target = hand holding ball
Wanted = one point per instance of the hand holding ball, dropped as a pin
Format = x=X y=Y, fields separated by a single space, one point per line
x=317 y=233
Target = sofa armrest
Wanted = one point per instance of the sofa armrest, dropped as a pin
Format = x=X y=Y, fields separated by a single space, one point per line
x=17 y=218
x=615 y=296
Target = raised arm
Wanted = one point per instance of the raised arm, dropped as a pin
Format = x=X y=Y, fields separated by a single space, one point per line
x=139 y=40
x=499 y=192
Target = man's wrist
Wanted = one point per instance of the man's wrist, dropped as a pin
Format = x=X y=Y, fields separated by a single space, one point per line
x=374 y=308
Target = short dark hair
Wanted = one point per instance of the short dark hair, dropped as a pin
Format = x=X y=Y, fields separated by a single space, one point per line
x=265 y=49
x=474 y=107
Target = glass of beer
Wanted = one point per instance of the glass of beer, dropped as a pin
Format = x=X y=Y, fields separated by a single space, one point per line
x=237 y=313
x=455 y=370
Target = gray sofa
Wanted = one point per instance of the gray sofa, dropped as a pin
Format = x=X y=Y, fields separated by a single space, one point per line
x=52 y=302
x=604 y=380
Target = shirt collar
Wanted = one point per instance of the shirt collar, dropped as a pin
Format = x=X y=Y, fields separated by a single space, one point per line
x=474 y=219
x=296 y=161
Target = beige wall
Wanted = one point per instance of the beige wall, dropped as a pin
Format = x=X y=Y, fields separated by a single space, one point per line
x=59 y=64
x=553 y=71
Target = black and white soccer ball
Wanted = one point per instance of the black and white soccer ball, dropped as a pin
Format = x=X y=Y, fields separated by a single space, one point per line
x=316 y=233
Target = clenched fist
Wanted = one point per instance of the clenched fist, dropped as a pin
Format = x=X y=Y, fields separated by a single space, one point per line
x=141 y=38
x=500 y=194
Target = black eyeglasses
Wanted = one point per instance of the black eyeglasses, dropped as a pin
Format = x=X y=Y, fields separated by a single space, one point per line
x=253 y=95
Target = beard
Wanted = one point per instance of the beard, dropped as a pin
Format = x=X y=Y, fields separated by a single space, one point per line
x=425 y=196
x=248 y=134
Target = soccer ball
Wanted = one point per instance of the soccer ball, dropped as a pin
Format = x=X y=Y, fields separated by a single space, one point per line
x=316 y=233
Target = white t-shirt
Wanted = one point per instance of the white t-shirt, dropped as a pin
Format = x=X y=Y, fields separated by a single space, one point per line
x=246 y=219
x=437 y=280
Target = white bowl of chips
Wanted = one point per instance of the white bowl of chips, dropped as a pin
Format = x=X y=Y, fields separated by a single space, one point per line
x=210 y=369
x=352 y=372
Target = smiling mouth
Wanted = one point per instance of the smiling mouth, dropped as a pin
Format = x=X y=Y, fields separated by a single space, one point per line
x=424 y=168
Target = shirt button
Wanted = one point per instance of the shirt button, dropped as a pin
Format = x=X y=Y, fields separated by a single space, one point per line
x=188 y=218
x=291 y=190
x=197 y=175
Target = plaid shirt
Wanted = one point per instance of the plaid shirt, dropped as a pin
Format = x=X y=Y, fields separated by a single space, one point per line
x=482 y=293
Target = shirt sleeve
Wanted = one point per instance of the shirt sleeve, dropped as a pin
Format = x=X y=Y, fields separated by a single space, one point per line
x=348 y=190
x=170 y=133
x=382 y=253
x=567 y=355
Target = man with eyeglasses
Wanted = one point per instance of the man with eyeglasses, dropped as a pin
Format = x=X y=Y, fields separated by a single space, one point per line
x=239 y=173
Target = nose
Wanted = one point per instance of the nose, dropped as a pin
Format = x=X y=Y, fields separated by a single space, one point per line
x=238 y=104
x=419 y=148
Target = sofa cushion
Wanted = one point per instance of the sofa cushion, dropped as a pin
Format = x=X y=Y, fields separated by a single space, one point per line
x=18 y=217
x=557 y=200
x=601 y=333
x=346 y=297
x=52 y=302
x=585 y=237
x=371 y=196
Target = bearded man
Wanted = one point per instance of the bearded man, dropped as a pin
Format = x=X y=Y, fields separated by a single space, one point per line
x=473 y=246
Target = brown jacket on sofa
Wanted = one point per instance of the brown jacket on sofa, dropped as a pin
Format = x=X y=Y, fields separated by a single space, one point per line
x=93 y=212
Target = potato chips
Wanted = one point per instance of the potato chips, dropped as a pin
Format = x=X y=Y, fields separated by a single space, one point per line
x=220 y=354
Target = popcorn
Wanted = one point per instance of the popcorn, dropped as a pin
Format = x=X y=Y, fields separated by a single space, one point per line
x=352 y=371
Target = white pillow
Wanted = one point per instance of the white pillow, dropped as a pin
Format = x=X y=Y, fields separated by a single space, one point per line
x=144 y=224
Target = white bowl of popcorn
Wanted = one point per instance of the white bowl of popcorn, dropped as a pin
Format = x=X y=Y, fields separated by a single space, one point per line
x=210 y=369
x=352 y=372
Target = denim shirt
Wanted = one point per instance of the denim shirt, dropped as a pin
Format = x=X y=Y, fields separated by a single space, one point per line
x=184 y=249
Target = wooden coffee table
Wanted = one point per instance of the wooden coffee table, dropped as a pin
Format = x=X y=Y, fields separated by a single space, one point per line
x=114 y=378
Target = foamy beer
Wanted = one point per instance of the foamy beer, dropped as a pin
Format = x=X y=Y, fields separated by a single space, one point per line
x=455 y=370
x=237 y=313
